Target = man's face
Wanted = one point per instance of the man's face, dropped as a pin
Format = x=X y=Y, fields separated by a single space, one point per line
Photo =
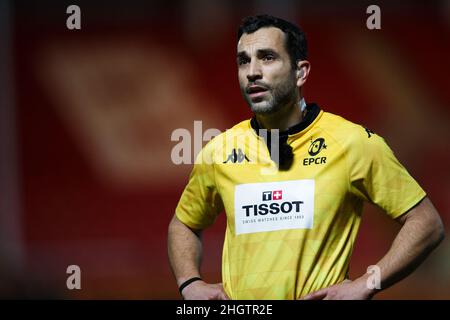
x=266 y=76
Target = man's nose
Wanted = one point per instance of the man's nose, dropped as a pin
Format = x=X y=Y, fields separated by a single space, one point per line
x=254 y=72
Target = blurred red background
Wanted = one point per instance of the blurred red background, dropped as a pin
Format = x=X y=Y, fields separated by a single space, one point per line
x=88 y=116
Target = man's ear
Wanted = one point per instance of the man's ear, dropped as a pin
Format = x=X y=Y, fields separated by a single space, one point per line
x=303 y=68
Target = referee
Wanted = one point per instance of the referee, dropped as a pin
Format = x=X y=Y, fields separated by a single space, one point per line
x=292 y=181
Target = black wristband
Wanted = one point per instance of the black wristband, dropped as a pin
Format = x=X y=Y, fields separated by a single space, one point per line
x=188 y=282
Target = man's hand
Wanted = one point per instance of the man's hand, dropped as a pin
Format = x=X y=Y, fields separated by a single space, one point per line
x=200 y=290
x=346 y=290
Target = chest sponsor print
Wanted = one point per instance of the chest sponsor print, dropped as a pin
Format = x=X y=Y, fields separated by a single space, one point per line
x=271 y=206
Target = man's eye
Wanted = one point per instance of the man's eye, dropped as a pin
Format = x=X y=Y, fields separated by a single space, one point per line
x=242 y=61
x=268 y=57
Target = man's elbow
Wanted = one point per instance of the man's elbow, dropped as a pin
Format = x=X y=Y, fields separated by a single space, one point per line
x=430 y=221
x=440 y=233
x=437 y=232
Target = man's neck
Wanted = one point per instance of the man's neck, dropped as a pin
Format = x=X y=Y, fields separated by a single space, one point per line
x=283 y=119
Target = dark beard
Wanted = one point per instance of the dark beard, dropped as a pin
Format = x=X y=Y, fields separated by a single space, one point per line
x=283 y=95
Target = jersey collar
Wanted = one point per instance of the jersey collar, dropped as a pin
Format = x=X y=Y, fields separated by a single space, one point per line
x=312 y=111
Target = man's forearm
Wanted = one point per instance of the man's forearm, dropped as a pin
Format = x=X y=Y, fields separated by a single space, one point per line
x=421 y=232
x=185 y=251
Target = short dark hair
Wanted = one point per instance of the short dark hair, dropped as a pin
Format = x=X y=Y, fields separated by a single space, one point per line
x=296 y=44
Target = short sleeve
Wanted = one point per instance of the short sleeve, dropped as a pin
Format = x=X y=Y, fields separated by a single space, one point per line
x=200 y=202
x=378 y=177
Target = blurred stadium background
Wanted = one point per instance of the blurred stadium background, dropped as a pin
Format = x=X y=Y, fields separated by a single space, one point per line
x=86 y=118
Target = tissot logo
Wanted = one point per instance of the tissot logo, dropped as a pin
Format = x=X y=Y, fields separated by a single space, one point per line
x=314 y=149
x=274 y=206
x=275 y=195
x=236 y=156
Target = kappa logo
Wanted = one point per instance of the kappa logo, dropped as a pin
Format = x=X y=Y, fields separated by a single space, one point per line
x=369 y=132
x=314 y=149
x=236 y=156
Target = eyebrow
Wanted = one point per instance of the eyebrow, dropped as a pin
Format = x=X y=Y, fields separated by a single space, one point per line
x=266 y=51
x=242 y=54
x=259 y=52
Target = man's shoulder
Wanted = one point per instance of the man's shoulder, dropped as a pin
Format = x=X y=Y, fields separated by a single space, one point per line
x=240 y=129
x=334 y=122
x=343 y=130
x=217 y=144
x=352 y=136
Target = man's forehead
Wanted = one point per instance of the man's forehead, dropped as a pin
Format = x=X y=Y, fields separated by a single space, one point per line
x=268 y=37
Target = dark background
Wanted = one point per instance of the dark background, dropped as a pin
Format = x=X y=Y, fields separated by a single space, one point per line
x=87 y=117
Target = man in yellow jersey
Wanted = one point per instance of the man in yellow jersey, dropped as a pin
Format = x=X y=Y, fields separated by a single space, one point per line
x=292 y=181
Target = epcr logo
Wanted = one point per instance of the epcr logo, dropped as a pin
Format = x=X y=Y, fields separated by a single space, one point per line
x=316 y=146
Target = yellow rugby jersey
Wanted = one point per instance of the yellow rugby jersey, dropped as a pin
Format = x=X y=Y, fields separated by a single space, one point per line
x=292 y=232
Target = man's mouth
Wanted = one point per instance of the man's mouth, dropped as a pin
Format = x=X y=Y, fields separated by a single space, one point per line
x=256 y=91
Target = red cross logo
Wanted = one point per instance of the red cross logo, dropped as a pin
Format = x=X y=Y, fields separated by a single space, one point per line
x=277 y=195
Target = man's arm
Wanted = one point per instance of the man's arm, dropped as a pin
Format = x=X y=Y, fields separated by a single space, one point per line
x=185 y=253
x=422 y=230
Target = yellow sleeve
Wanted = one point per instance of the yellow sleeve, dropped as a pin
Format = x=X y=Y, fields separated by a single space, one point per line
x=200 y=202
x=378 y=177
